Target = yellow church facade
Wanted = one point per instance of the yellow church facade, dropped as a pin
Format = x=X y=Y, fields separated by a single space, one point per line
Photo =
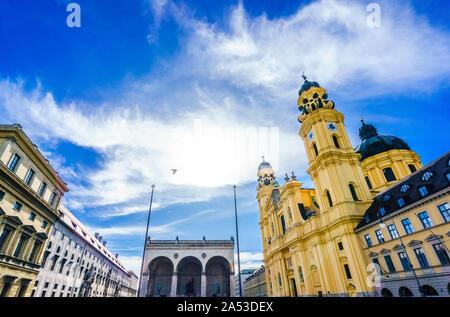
x=310 y=245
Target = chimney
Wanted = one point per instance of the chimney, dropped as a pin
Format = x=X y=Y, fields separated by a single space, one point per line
x=100 y=238
x=104 y=243
x=96 y=235
x=117 y=255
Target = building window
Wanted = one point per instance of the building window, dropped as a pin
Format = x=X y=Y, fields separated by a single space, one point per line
x=405 y=261
x=382 y=212
x=404 y=188
x=29 y=176
x=445 y=211
x=421 y=258
x=423 y=190
x=368 y=182
x=340 y=246
x=335 y=141
x=32 y=216
x=375 y=261
x=14 y=162
x=330 y=202
x=353 y=192
x=4 y=237
x=42 y=189
x=400 y=202
x=412 y=168
x=53 y=198
x=393 y=231
x=2 y=195
x=389 y=174
x=347 y=271
x=300 y=271
x=426 y=176
x=407 y=226
x=425 y=219
x=368 y=240
x=44 y=224
x=441 y=253
x=22 y=241
x=36 y=247
x=379 y=235
x=315 y=149
x=17 y=206
x=389 y=263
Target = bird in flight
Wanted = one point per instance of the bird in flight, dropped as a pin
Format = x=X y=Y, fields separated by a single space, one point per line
x=174 y=171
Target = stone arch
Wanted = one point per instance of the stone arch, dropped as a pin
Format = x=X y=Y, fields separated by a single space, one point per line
x=404 y=292
x=189 y=277
x=386 y=293
x=160 y=272
x=217 y=271
x=429 y=290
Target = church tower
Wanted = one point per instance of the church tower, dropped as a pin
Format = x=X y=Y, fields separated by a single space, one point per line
x=342 y=193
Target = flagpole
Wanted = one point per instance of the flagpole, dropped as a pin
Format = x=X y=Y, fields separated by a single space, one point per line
x=145 y=241
x=237 y=242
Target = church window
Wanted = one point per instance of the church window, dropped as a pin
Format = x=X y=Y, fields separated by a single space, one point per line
x=401 y=202
x=347 y=271
x=389 y=174
x=283 y=224
x=445 y=211
x=368 y=182
x=389 y=263
x=340 y=246
x=336 y=142
x=379 y=235
x=353 y=192
x=330 y=202
x=315 y=149
x=407 y=226
x=412 y=168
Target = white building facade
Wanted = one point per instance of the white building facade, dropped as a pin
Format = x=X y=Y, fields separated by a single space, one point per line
x=191 y=268
x=78 y=264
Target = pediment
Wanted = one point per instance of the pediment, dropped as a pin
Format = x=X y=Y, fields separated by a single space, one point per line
x=373 y=254
x=398 y=247
x=384 y=251
x=433 y=237
x=414 y=242
x=29 y=229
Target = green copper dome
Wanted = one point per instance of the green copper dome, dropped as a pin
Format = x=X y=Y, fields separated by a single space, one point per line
x=373 y=144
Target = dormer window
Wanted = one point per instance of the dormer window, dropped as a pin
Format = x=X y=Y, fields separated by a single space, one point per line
x=404 y=188
x=386 y=197
x=382 y=211
x=426 y=176
x=423 y=190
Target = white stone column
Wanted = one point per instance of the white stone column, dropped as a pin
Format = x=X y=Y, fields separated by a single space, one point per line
x=144 y=285
x=203 y=285
x=173 y=288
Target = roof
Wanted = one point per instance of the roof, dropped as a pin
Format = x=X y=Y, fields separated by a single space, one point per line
x=77 y=227
x=17 y=128
x=373 y=143
x=433 y=176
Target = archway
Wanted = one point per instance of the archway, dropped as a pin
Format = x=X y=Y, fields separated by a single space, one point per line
x=189 y=277
x=404 y=292
x=429 y=291
x=160 y=277
x=386 y=293
x=218 y=272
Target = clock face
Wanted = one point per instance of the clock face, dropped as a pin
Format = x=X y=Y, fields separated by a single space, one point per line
x=310 y=135
x=332 y=126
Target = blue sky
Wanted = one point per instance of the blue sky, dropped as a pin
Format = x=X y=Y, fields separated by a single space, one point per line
x=145 y=86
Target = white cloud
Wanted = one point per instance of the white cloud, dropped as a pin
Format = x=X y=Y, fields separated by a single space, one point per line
x=224 y=83
x=249 y=260
x=131 y=262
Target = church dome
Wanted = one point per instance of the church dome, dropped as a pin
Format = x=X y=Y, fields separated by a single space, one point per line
x=373 y=143
x=264 y=164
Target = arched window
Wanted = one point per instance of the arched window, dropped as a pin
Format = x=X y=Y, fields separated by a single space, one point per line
x=353 y=192
x=330 y=202
x=336 y=143
x=315 y=149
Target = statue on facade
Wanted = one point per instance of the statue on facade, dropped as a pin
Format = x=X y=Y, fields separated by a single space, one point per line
x=190 y=288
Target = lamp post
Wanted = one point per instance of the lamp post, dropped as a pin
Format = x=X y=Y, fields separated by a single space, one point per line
x=145 y=241
x=382 y=225
x=237 y=243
